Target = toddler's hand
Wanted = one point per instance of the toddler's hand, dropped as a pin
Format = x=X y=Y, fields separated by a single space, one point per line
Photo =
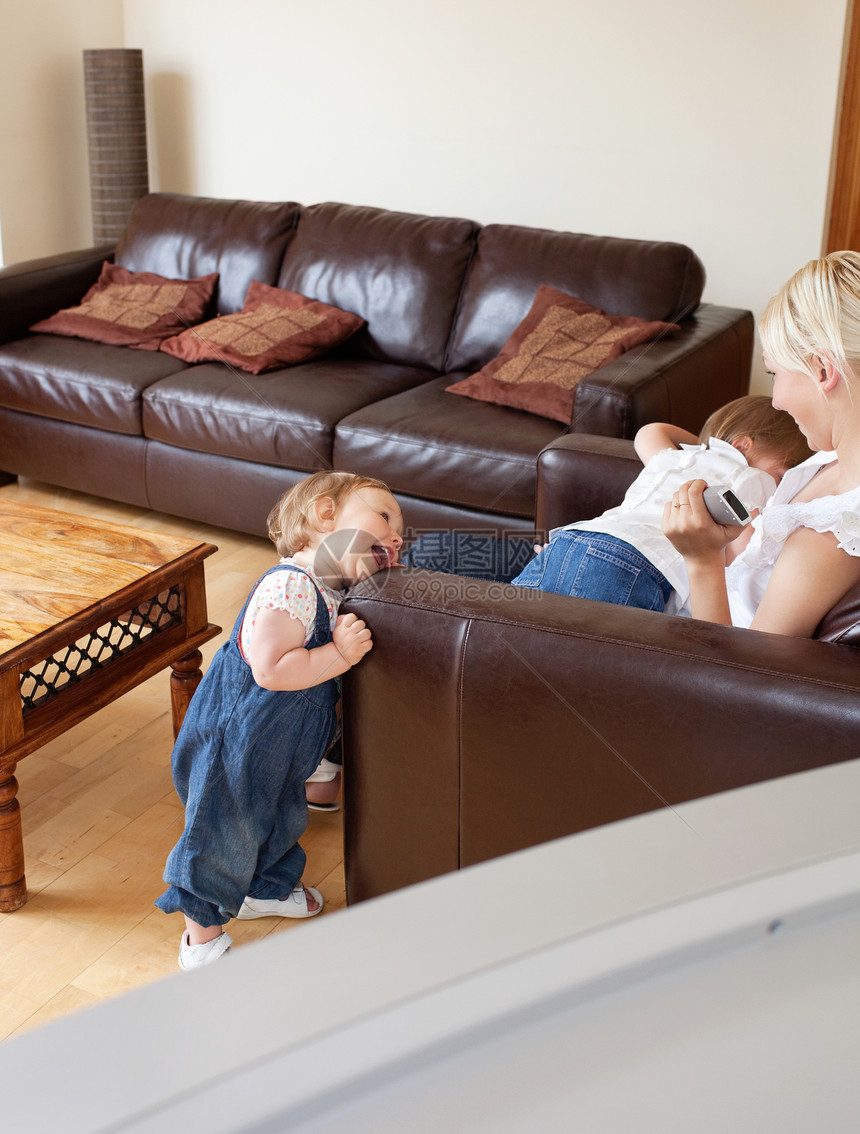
x=352 y=638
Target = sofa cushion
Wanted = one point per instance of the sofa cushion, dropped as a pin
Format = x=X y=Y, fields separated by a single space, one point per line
x=183 y=236
x=401 y=272
x=79 y=382
x=560 y=342
x=623 y=277
x=275 y=328
x=284 y=418
x=135 y=309
x=426 y=444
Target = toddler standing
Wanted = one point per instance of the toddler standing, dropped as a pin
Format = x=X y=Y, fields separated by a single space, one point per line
x=265 y=713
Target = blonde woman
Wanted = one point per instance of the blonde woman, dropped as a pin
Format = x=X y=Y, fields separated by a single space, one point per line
x=804 y=553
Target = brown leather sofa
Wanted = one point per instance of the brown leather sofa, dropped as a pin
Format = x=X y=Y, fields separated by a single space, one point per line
x=488 y=718
x=440 y=296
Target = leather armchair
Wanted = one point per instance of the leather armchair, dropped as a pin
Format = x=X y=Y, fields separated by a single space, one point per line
x=489 y=718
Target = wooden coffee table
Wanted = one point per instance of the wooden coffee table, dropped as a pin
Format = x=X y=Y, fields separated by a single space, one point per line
x=88 y=610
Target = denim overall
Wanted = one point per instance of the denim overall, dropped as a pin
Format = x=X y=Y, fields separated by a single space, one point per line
x=239 y=765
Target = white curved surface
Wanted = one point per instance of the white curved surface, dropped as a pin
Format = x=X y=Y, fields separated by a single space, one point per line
x=691 y=969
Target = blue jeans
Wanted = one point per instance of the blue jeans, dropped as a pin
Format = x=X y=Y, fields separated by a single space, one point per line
x=239 y=765
x=595 y=566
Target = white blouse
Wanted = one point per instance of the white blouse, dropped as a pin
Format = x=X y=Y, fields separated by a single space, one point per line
x=747 y=577
x=638 y=520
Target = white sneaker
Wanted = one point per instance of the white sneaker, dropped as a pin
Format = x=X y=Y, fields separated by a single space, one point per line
x=296 y=905
x=196 y=956
x=325 y=772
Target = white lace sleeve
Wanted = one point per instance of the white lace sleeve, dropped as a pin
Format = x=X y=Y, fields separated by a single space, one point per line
x=837 y=514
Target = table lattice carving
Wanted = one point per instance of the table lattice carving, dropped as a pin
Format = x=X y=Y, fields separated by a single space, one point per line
x=111 y=641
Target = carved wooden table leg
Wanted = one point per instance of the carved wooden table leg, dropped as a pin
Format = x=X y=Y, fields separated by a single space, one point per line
x=13 y=886
x=184 y=680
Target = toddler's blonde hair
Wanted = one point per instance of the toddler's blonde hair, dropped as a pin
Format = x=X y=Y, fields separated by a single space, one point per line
x=291 y=521
x=753 y=416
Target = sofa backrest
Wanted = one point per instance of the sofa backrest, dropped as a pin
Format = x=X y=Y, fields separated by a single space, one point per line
x=183 y=237
x=842 y=623
x=401 y=272
x=654 y=280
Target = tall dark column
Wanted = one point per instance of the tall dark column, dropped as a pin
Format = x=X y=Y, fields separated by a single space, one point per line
x=116 y=133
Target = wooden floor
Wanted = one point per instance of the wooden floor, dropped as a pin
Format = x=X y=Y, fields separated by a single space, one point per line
x=100 y=816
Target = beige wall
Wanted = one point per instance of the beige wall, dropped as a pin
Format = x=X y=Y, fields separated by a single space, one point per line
x=44 y=184
x=705 y=123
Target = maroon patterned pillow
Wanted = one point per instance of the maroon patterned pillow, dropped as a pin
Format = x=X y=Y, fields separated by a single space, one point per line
x=560 y=341
x=275 y=328
x=136 y=309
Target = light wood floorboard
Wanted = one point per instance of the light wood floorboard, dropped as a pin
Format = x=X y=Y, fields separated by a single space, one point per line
x=100 y=814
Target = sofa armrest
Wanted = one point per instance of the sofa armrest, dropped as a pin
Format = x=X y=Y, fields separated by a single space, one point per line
x=580 y=475
x=35 y=289
x=682 y=378
x=487 y=719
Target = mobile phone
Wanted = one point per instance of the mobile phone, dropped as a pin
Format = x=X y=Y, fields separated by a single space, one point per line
x=725 y=506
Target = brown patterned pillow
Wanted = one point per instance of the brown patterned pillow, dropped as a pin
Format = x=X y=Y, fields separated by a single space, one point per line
x=560 y=341
x=136 y=309
x=274 y=328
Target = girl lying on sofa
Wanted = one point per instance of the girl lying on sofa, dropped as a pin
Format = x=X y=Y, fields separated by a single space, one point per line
x=623 y=556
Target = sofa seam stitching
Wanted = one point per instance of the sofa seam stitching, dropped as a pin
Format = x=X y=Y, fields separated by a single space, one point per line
x=458 y=307
x=460 y=682
x=669 y=651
